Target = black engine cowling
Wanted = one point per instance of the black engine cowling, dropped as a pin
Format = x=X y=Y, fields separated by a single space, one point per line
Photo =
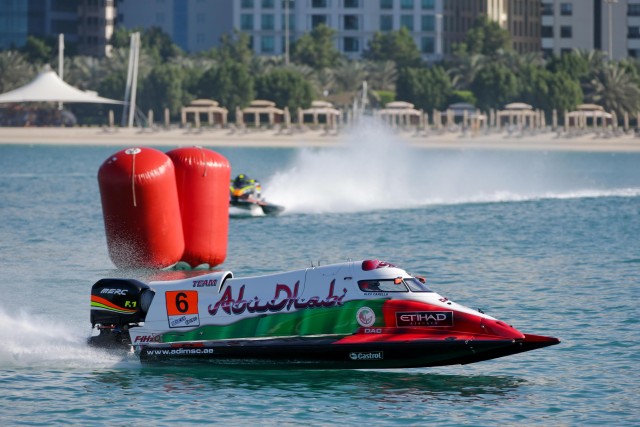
x=119 y=301
x=116 y=306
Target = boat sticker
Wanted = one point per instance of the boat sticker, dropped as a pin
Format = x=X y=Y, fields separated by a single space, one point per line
x=369 y=355
x=424 y=318
x=366 y=317
x=145 y=339
x=285 y=298
x=182 y=309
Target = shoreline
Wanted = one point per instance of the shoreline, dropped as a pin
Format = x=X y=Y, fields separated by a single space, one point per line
x=92 y=136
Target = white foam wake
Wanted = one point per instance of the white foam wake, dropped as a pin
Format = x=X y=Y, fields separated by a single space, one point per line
x=374 y=169
x=29 y=340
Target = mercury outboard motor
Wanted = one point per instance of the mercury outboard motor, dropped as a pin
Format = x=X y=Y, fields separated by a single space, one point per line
x=116 y=306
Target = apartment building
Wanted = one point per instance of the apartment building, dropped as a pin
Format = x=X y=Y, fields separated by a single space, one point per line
x=96 y=23
x=612 y=26
x=193 y=25
x=86 y=24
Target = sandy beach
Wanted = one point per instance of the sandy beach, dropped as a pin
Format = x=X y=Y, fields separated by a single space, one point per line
x=177 y=137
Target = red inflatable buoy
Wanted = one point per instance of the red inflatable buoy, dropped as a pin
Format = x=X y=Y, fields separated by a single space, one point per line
x=202 y=177
x=141 y=209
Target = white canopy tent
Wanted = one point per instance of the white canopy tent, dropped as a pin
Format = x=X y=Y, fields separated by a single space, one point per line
x=48 y=87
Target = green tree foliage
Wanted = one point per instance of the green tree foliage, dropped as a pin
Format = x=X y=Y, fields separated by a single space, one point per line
x=162 y=89
x=486 y=37
x=14 y=70
x=36 y=51
x=316 y=49
x=397 y=46
x=575 y=64
x=494 y=86
x=158 y=44
x=285 y=87
x=614 y=88
x=426 y=88
x=462 y=96
x=564 y=93
x=382 y=75
x=235 y=48
x=349 y=75
x=155 y=42
x=230 y=84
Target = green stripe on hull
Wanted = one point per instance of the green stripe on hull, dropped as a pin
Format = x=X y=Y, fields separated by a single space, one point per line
x=316 y=321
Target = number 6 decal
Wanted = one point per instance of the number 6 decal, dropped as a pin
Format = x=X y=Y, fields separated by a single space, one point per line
x=182 y=308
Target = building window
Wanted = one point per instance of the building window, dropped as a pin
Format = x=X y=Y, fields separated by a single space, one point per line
x=428 y=4
x=633 y=10
x=351 y=4
x=267 y=22
x=318 y=4
x=565 y=51
x=547 y=31
x=547 y=53
x=428 y=45
x=386 y=22
x=428 y=23
x=267 y=4
x=406 y=21
x=246 y=4
x=406 y=4
x=566 y=32
x=317 y=20
x=246 y=22
x=547 y=9
x=386 y=4
x=350 y=22
x=292 y=22
x=267 y=44
x=634 y=33
x=351 y=44
x=634 y=53
x=566 y=9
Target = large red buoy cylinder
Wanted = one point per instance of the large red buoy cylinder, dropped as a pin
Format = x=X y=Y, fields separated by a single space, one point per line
x=202 y=177
x=141 y=209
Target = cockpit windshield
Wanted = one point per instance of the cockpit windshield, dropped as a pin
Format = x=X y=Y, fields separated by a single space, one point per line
x=393 y=285
x=416 y=285
x=382 y=286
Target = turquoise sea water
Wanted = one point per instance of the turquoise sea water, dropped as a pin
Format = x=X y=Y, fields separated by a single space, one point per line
x=547 y=241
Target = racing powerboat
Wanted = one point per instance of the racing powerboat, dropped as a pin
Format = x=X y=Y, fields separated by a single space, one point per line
x=246 y=194
x=364 y=314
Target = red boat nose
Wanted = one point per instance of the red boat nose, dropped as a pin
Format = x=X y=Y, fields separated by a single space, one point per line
x=500 y=329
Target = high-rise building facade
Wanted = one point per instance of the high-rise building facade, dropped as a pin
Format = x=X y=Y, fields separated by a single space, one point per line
x=96 y=23
x=14 y=23
x=193 y=25
x=86 y=24
x=612 y=26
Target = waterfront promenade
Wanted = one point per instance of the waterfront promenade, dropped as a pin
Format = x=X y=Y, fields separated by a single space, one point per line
x=589 y=141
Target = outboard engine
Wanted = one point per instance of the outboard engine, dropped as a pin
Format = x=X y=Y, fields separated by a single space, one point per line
x=116 y=306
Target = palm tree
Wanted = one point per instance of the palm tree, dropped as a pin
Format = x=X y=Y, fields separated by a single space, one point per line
x=349 y=75
x=465 y=70
x=14 y=70
x=382 y=74
x=613 y=88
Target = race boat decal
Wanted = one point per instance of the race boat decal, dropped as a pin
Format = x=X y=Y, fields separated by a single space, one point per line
x=182 y=308
x=338 y=320
x=285 y=299
x=103 y=304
